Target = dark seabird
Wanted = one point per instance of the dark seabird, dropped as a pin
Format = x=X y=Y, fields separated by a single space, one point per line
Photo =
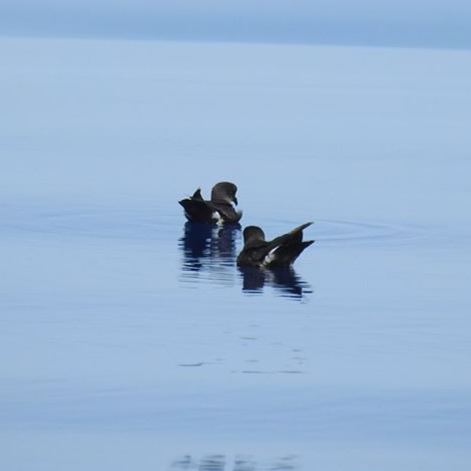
x=279 y=252
x=218 y=209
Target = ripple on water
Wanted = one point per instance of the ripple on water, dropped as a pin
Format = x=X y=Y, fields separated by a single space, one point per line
x=208 y=252
x=198 y=241
x=341 y=232
x=91 y=222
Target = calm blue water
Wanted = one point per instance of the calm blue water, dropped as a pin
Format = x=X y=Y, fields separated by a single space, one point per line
x=129 y=338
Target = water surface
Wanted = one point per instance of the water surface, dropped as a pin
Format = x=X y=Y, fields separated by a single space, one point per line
x=130 y=339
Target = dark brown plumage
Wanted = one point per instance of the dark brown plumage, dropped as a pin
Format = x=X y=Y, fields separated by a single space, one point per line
x=218 y=208
x=279 y=252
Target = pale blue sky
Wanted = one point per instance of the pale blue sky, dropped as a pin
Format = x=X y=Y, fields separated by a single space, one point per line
x=434 y=23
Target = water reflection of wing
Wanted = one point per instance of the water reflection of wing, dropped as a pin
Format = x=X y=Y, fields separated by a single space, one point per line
x=284 y=280
x=208 y=244
x=288 y=282
x=253 y=279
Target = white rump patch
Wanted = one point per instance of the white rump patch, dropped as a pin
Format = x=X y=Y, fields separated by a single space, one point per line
x=217 y=218
x=270 y=257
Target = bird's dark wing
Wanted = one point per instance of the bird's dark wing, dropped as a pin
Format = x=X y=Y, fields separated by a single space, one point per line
x=197 y=210
x=286 y=254
x=197 y=195
x=294 y=236
x=285 y=249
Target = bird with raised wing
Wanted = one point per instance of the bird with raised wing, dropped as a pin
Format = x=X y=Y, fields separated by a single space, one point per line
x=279 y=252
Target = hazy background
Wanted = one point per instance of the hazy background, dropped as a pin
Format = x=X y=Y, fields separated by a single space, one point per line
x=423 y=23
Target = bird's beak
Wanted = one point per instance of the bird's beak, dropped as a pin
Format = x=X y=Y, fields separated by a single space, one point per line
x=236 y=202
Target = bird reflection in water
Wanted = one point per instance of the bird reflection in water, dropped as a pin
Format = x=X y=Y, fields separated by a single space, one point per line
x=209 y=248
x=209 y=252
x=240 y=463
x=284 y=280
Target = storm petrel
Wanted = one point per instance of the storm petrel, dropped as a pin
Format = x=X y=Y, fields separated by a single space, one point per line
x=220 y=208
x=279 y=252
